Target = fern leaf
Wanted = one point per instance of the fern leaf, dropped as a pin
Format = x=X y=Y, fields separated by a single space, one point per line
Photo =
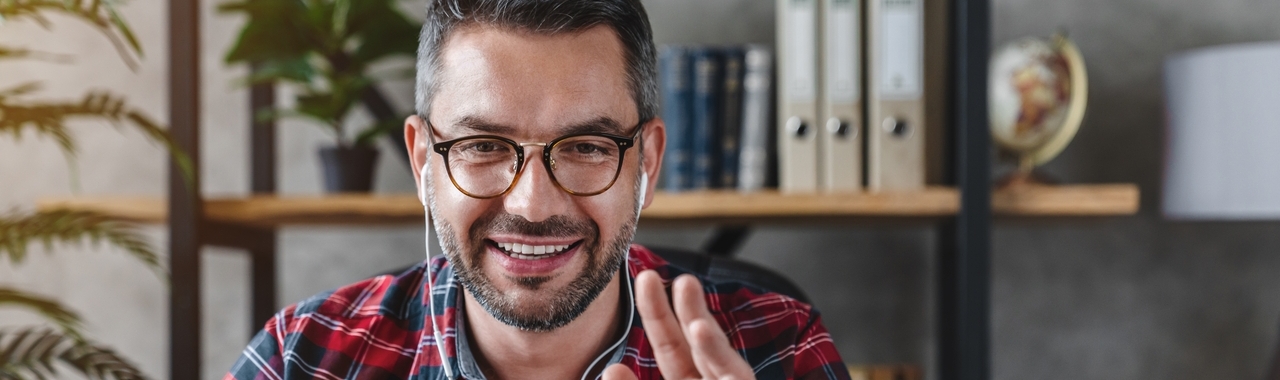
x=73 y=227
x=35 y=352
x=49 y=119
x=67 y=320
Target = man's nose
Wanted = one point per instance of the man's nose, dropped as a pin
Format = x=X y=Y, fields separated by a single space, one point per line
x=535 y=196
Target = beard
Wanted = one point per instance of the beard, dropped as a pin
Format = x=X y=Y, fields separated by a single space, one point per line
x=603 y=260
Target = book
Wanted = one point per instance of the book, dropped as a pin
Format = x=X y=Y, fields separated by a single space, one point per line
x=731 y=116
x=757 y=121
x=677 y=92
x=703 y=142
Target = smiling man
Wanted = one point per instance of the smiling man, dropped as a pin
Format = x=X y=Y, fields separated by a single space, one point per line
x=536 y=134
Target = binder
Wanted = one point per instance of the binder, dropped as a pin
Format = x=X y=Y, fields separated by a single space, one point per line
x=677 y=98
x=839 y=139
x=895 y=84
x=798 y=66
x=757 y=89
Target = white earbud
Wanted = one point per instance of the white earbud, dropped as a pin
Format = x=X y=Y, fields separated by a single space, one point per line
x=422 y=185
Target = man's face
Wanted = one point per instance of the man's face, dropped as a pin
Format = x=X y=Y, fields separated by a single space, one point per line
x=535 y=88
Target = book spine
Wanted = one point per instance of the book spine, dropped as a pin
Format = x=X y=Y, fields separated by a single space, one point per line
x=675 y=74
x=731 y=117
x=706 y=115
x=757 y=89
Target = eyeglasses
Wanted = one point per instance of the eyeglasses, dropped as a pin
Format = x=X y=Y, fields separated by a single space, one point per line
x=488 y=166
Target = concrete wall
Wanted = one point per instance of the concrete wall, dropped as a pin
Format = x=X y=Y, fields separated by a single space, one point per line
x=1116 y=298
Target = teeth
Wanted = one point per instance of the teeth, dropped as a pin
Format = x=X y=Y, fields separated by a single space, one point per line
x=529 y=252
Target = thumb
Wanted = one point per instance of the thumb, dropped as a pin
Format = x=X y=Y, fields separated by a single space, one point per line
x=618 y=372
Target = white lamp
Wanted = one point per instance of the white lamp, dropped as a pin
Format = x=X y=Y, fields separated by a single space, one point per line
x=1223 y=155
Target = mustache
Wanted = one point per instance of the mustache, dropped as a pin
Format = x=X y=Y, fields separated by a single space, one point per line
x=554 y=226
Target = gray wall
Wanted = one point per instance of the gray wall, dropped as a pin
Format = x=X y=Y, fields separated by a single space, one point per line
x=1115 y=298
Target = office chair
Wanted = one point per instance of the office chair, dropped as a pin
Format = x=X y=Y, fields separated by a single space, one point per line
x=727 y=269
x=1274 y=374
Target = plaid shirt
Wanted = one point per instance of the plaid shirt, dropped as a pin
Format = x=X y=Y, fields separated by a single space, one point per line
x=376 y=329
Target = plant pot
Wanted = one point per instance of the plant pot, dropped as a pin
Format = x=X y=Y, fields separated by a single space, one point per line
x=348 y=169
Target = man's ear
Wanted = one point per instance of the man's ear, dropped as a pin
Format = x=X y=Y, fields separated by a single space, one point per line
x=654 y=144
x=415 y=141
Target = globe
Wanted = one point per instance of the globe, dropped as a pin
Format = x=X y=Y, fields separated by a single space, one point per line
x=1037 y=93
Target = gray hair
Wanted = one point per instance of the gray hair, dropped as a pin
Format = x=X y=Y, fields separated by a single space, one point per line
x=627 y=18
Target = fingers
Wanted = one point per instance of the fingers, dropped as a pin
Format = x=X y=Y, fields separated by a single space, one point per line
x=713 y=356
x=670 y=348
x=618 y=372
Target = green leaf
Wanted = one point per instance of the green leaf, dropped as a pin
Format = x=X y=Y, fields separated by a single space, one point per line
x=21 y=89
x=49 y=119
x=274 y=30
x=51 y=310
x=32 y=351
x=19 y=231
x=124 y=30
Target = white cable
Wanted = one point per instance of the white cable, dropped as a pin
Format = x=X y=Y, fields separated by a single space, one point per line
x=626 y=263
x=431 y=304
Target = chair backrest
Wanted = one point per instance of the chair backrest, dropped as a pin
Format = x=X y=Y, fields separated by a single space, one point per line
x=728 y=269
x=1274 y=374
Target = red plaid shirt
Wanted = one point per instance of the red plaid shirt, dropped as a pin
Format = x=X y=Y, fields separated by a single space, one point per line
x=376 y=329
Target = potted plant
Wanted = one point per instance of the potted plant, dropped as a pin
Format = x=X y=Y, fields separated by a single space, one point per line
x=39 y=351
x=325 y=49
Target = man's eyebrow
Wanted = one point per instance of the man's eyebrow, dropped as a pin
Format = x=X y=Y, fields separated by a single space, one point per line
x=598 y=125
x=477 y=124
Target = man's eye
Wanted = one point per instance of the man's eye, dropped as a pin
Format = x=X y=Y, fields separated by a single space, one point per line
x=587 y=148
x=484 y=147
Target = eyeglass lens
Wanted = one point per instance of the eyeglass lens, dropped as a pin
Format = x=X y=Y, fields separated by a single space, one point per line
x=580 y=164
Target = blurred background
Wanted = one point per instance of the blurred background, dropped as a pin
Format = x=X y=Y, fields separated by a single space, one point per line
x=1108 y=298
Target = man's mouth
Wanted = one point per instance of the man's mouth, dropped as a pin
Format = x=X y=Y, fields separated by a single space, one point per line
x=533 y=252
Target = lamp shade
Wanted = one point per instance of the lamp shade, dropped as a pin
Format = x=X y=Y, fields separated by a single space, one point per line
x=1223 y=150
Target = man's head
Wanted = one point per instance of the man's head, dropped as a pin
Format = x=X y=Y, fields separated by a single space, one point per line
x=535 y=255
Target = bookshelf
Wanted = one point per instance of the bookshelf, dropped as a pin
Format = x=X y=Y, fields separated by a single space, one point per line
x=962 y=212
x=710 y=207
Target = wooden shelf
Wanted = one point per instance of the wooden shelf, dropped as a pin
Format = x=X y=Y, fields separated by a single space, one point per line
x=349 y=209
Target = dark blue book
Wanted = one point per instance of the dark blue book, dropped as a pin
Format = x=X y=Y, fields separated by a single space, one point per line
x=705 y=153
x=676 y=73
x=730 y=117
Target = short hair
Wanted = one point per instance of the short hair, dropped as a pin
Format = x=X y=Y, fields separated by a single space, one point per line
x=627 y=18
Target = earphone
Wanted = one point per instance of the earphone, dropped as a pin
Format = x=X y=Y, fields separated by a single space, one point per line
x=431 y=301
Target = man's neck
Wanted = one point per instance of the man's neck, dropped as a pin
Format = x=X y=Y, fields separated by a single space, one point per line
x=505 y=352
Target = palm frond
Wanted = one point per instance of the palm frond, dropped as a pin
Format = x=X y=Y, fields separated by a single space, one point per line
x=49 y=119
x=51 y=310
x=17 y=232
x=34 y=352
x=19 y=53
x=101 y=14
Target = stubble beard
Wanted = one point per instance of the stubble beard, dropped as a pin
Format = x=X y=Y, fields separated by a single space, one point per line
x=565 y=305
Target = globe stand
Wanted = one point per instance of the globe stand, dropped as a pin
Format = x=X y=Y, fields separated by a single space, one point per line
x=1025 y=176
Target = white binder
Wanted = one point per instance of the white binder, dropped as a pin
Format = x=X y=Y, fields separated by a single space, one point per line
x=895 y=89
x=798 y=95
x=840 y=139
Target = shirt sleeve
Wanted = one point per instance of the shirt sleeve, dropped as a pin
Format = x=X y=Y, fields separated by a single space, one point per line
x=816 y=356
x=261 y=360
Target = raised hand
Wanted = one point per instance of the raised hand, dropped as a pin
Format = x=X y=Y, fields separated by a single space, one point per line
x=688 y=343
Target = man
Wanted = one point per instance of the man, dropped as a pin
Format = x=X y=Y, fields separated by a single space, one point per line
x=536 y=135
